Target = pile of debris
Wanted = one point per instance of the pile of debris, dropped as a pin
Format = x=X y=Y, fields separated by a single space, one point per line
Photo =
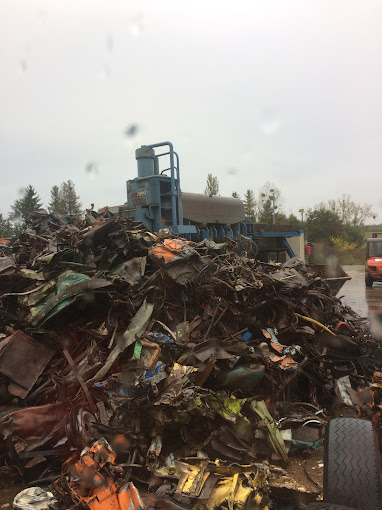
x=198 y=369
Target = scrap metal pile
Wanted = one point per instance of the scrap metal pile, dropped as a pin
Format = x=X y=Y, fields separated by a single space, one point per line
x=189 y=373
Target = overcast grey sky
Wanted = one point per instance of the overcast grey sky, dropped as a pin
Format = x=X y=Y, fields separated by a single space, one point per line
x=283 y=90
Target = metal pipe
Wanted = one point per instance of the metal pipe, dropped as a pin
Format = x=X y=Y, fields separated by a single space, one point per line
x=173 y=194
x=180 y=205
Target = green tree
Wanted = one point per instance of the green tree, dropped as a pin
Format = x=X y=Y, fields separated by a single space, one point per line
x=56 y=204
x=71 y=201
x=212 y=185
x=235 y=194
x=265 y=203
x=352 y=234
x=322 y=224
x=350 y=212
x=6 y=228
x=30 y=201
x=283 y=219
x=266 y=211
x=351 y=215
x=293 y=220
x=250 y=205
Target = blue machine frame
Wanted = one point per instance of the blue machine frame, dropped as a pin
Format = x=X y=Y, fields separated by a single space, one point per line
x=158 y=204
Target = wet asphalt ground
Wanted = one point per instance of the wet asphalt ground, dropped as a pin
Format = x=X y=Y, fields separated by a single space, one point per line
x=367 y=302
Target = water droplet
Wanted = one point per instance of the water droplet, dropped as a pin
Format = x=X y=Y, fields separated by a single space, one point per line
x=86 y=299
x=376 y=325
x=41 y=16
x=109 y=43
x=23 y=65
x=232 y=171
x=271 y=122
x=15 y=218
x=21 y=191
x=131 y=130
x=92 y=169
x=332 y=263
x=106 y=72
x=246 y=155
x=136 y=26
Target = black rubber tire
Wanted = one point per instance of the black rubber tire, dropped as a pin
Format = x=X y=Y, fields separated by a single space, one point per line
x=321 y=505
x=368 y=280
x=352 y=474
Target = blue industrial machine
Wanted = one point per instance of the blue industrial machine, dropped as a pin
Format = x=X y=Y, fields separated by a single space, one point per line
x=159 y=203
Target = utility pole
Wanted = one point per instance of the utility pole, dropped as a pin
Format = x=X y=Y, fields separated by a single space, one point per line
x=272 y=198
x=302 y=218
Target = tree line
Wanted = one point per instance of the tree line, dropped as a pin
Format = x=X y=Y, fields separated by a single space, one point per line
x=341 y=218
x=63 y=200
x=260 y=208
x=336 y=220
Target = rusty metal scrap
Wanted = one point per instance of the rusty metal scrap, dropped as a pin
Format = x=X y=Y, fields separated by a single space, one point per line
x=22 y=359
x=183 y=369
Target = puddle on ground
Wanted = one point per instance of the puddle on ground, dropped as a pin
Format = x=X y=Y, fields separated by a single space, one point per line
x=367 y=302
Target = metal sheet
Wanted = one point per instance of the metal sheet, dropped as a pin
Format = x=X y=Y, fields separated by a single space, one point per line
x=205 y=209
x=20 y=350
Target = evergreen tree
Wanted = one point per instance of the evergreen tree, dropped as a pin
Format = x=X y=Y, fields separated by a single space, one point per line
x=212 y=185
x=292 y=220
x=266 y=211
x=249 y=205
x=29 y=202
x=282 y=219
x=71 y=201
x=235 y=194
x=56 y=204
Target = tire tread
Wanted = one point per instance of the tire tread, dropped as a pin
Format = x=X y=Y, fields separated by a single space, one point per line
x=352 y=474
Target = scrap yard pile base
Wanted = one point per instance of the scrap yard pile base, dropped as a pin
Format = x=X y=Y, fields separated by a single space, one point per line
x=141 y=370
